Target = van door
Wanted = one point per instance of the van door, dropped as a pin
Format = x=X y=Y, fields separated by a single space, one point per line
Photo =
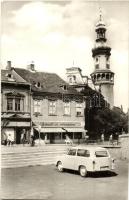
x=70 y=159
x=83 y=158
x=102 y=160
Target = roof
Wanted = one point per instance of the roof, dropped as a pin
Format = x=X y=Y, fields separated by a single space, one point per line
x=11 y=76
x=89 y=147
x=49 y=82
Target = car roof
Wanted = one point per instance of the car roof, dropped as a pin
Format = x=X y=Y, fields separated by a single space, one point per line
x=91 y=148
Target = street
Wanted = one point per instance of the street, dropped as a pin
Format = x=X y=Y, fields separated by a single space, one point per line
x=45 y=182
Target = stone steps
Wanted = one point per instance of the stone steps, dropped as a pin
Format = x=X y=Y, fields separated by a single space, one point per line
x=15 y=157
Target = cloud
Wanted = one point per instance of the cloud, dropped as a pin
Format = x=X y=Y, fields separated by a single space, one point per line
x=55 y=34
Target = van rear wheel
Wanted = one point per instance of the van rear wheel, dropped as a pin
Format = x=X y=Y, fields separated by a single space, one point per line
x=83 y=171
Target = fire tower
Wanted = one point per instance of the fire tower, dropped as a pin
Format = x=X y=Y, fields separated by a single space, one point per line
x=102 y=76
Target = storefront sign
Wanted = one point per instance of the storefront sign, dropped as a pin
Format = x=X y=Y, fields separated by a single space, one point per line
x=59 y=124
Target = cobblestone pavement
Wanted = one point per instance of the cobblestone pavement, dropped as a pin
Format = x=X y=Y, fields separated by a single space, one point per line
x=45 y=182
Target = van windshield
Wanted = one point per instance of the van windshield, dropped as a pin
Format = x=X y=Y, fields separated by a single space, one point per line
x=101 y=154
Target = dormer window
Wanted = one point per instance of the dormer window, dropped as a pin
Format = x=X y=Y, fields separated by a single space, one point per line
x=74 y=78
x=38 y=84
x=65 y=87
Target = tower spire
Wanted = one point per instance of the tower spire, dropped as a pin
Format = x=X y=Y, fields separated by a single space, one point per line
x=100 y=14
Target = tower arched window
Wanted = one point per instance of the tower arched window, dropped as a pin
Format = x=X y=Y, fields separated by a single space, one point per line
x=103 y=76
x=70 y=80
x=74 y=78
x=107 y=77
x=97 y=59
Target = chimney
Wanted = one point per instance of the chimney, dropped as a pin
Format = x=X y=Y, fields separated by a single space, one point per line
x=31 y=67
x=8 y=65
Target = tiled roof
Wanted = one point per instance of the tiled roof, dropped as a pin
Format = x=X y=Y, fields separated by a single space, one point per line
x=49 y=82
x=11 y=76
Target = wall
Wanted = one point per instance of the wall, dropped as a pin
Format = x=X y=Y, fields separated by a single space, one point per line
x=121 y=152
x=124 y=141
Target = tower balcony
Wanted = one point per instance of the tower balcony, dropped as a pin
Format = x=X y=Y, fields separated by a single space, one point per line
x=102 y=78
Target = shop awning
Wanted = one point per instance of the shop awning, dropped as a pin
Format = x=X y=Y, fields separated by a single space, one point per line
x=18 y=124
x=75 y=130
x=56 y=130
x=50 y=130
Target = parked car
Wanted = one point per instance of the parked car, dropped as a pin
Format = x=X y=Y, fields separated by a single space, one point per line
x=85 y=159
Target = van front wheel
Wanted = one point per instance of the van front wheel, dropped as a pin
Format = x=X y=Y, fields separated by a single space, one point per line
x=83 y=171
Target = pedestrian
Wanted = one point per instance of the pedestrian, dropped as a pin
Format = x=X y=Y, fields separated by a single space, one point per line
x=102 y=138
x=4 y=139
x=23 y=137
x=86 y=138
x=9 y=140
x=32 y=142
x=45 y=139
x=111 y=139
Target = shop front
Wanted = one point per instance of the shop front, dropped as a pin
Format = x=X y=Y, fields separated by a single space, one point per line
x=56 y=132
x=14 y=128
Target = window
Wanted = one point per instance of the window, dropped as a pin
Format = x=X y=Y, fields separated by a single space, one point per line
x=79 y=109
x=97 y=59
x=101 y=154
x=97 y=66
x=70 y=80
x=72 y=152
x=66 y=108
x=83 y=153
x=9 y=104
x=52 y=108
x=37 y=106
x=74 y=78
x=15 y=104
x=78 y=135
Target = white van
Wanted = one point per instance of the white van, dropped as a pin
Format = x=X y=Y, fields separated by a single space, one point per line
x=85 y=159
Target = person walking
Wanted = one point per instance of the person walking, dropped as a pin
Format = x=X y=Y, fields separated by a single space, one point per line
x=111 y=139
x=102 y=138
x=23 y=137
x=9 y=140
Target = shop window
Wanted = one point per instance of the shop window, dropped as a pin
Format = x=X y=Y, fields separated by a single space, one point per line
x=37 y=106
x=79 y=109
x=67 y=108
x=77 y=135
x=52 y=108
x=57 y=136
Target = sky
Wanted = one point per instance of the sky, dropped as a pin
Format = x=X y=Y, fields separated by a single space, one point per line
x=59 y=34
